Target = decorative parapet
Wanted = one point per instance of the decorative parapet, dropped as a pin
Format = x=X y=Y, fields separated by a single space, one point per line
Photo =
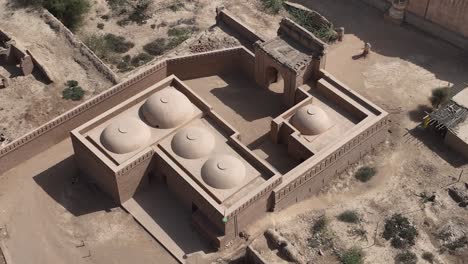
x=135 y=162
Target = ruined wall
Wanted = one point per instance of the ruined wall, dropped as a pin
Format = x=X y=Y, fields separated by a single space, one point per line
x=224 y=16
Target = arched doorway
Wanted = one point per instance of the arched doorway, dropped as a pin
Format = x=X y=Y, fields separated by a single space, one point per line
x=275 y=80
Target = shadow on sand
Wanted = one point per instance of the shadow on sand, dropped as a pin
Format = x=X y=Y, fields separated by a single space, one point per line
x=435 y=143
x=65 y=185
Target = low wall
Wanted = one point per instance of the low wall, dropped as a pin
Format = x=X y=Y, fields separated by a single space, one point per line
x=222 y=15
x=57 y=25
x=42 y=69
x=253 y=256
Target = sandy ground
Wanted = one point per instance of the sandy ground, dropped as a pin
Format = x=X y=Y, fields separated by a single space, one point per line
x=29 y=102
x=198 y=15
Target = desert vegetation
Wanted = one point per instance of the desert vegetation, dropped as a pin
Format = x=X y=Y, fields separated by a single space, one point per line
x=440 y=96
x=364 y=174
x=72 y=91
x=70 y=12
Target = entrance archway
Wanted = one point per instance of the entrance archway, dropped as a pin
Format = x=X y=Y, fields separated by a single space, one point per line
x=275 y=80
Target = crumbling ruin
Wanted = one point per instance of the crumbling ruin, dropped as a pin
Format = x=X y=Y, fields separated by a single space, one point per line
x=14 y=56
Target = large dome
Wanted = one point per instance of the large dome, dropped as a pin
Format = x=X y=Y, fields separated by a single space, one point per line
x=311 y=120
x=223 y=172
x=193 y=142
x=167 y=108
x=125 y=135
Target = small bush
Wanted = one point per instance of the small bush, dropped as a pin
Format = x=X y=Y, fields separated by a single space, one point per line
x=176 y=6
x=428 y=256
x=440 y=96
x=117 y=5
x=155 y=47
x=352 y=256
x=72 y=83
x=406 y=257
x=117 y=44
x=70 y=12
x=124 y=64
x=320 y=225
x=365 y=173
x=100 y=25
x=273 y=5
x=72 y=91
x=400 y=232
x=138 y=15
x=141 y=59
x=324 y=32
x=349 y=216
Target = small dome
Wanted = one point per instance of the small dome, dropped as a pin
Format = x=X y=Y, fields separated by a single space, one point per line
x=223 y=172
x=311 y=120
x=125 y=135
x=167 y=108
x=193 y=142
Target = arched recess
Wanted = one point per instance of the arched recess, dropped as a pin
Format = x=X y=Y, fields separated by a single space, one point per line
x=275 y=80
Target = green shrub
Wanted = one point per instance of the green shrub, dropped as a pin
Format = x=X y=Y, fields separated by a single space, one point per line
x=400 y=232
x=124 y=64
x=98 y=45
x=72 y=91
x=117 y=44
x=141 y=59
x=440 y=96
x=138 y=14
x=100 y=25
x=349 y=216
x=365 y=173
x=320 y=225
x=273 y=5
x=70 y=12
x=176 y=5
x=324 y=32
x=72 y=83
x=352 y=256
x=406 y=257
x=428 y=256
x=155 y=47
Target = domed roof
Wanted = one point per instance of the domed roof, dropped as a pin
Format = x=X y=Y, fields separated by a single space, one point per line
x=167 y=108
x=125 y=135
x=193 y=142
x=311 y=120
x=223 y=172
